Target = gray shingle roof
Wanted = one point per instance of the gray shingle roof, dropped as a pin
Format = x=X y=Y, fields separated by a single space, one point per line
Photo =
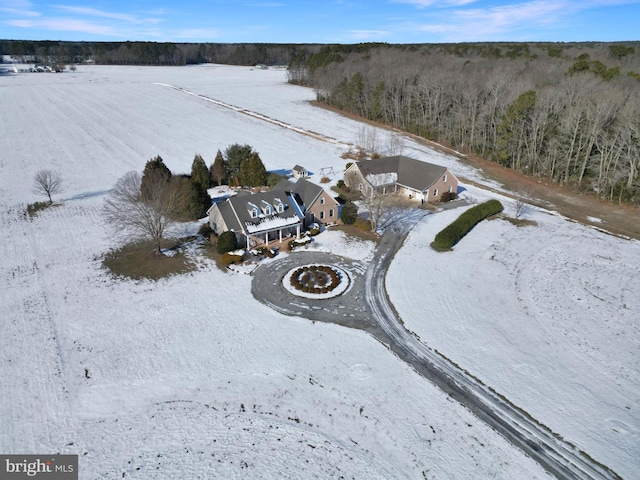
x=412 y=173
x=306 y=190
x=237 y=210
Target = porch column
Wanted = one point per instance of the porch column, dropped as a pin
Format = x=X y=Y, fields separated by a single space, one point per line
x=280 y=232
x=298 y=231
x=248 y=243
x=266 y=238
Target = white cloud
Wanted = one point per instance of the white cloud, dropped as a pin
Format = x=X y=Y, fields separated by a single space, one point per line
x=18 y=8
x=487 y=23
x=89 y=11
x=66 y=25
x=436 y=3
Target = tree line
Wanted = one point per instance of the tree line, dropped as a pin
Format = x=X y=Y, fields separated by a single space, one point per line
x=566 y=112
x=153 y=53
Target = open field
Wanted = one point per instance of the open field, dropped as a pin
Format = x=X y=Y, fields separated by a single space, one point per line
x=191 y=376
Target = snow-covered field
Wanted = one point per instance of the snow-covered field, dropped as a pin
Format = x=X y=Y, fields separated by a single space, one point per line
x=190 y=377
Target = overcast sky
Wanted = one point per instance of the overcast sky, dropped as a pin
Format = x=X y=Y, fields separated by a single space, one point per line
x=328 y=21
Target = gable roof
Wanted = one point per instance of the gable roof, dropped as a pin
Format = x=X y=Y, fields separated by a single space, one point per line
x=306 y=190
x=236 y=211
x=409 y=172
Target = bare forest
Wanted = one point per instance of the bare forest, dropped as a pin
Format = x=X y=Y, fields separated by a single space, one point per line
x=567 y=112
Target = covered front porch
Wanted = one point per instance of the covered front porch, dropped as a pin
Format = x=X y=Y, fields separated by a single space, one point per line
x=275 y=235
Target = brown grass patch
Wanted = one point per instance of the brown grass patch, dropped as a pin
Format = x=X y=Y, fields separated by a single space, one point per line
x=34 y=208
x=140 y=261
x=356 y=232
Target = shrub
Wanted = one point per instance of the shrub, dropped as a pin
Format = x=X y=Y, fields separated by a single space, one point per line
x=34 y=208
x=315 y=230
x=228 y=259
x=453 y=233
x=349 y=213
x=363 y=224
x=226 y=242
x=205 y=230
x=325 y=180
x=447 y=197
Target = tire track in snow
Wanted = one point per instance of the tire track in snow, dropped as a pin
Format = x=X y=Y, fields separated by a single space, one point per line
x=553 y=453
x=259 y=116
x=30 y=347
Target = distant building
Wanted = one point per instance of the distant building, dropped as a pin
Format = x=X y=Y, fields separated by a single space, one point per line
x=402 y=175
x=300 y=172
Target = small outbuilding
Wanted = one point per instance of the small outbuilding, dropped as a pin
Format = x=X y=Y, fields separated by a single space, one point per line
x=300 y=172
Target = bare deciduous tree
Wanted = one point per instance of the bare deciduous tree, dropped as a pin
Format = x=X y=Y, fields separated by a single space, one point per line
x=377 y=204
x=133 y=215
x=47 y=183
x=519 y=206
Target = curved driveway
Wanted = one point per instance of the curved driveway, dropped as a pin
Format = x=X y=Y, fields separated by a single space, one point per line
x=366 y=306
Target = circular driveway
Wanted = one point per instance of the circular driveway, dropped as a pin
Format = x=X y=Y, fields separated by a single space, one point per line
x=348 y=309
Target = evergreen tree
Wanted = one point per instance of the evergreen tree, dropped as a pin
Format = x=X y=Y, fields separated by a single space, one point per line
x=200 y=173
x=154 y=168
x=218 y=170
x=513 y=129
x=257 y=171
x=244 y=174
x=226 y=242
x=199 y=202
x=349 y=213
x=235 y=155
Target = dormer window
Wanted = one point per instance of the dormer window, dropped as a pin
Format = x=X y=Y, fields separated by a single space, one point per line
x=253 y=209
x=279 y=206
x=267 y=209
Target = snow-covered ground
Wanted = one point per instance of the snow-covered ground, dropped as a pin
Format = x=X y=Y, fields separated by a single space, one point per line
x=191 y=377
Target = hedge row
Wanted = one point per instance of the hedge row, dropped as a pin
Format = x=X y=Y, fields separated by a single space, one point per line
x=454 y=232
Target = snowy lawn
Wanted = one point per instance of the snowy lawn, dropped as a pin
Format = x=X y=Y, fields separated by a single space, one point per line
x=546 y=314
x=191 y=377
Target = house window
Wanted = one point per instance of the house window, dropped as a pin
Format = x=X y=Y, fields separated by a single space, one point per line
x=331 y=212
x=322 y=214
x=444 y=179
x=254 y=213
x=450 y=188
x=322 y=201
x=280 y=208
x=435 y=192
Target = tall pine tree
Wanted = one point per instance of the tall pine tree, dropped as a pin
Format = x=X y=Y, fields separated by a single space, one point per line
x=218 y=170
x=235 y=155
x=154 y=167
x=257 y=171
x=200 y=173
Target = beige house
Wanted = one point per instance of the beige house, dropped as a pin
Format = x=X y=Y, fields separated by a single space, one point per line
x=319 y=206
x=405 y=176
